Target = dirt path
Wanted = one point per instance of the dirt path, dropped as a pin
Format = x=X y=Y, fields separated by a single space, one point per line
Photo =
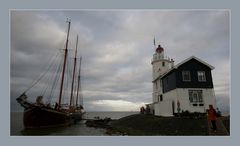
x=221 y=130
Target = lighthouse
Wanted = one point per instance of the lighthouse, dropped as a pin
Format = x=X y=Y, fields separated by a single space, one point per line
x=160 y=65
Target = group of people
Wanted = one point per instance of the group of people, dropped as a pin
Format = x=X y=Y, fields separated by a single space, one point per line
x=145 y=110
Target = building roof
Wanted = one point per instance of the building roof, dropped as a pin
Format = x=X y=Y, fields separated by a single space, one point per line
x=184 y=61
x=193 y=57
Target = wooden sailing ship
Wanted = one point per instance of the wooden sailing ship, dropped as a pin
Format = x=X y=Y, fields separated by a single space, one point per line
x=40 y=115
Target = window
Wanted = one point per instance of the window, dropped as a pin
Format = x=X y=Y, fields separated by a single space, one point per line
x=201 y=76
x=161 y=98
x=195 y=96
x=163 y=63
x=186 y=75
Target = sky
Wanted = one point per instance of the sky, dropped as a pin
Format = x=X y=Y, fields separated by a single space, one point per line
x=116 y=48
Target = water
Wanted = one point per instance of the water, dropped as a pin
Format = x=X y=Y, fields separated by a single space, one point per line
x=80 y=128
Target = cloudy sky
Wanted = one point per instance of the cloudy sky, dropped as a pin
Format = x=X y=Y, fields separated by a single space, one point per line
x=117 y=47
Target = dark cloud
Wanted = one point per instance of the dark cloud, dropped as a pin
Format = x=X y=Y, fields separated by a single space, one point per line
x=117 y=47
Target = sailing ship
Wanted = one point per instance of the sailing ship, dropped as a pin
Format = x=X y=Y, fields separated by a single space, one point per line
x=40 y=115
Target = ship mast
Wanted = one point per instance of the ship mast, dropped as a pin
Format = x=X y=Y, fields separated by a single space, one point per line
x=74 y=67
x=64 y=64
x=79 y=73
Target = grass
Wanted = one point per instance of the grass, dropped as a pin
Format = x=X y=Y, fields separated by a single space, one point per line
x=147 y=125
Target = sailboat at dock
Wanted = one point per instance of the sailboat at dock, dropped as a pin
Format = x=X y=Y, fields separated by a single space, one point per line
x=42 y=115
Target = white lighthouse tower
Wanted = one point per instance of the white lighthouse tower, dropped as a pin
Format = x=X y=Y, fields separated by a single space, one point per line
x=160 y=65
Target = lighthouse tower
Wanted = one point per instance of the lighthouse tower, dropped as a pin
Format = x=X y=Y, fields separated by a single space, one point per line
x=160 y=65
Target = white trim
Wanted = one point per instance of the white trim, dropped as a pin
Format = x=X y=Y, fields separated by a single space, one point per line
x=186 y=60
x=203 y=77
x=193 y=57
x=196 y=92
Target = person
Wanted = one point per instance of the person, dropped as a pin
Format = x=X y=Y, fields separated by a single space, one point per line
x=212 y=115
x=219 y=114
x=142 y=110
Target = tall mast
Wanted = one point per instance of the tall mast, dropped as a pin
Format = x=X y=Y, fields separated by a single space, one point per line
x=79 y=76
x=74 y=67
x=64 y=64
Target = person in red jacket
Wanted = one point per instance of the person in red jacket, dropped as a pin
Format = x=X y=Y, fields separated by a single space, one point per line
x=212 y=115
x=142 y=110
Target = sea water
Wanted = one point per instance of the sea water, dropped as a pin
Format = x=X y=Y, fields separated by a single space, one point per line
x=78 y=129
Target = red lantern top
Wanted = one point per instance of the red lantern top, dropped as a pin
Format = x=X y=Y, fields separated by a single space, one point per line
x=159 y=49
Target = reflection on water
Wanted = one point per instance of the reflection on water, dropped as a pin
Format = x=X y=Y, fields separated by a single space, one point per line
x=80 y=128
x=76 y=129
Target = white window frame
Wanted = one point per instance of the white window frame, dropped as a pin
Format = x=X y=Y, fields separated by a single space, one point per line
x=195 y=96
x=183 y=75
x=201 y=76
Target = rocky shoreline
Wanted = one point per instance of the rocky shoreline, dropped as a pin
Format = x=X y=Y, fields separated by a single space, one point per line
x=147 y=125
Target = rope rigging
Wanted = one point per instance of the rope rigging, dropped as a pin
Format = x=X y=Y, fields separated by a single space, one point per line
x=54 y=84
x=53 y=90
x=49 y=76
x=42 y=75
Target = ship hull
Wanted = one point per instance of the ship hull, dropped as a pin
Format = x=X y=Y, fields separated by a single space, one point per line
x=42 y=117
